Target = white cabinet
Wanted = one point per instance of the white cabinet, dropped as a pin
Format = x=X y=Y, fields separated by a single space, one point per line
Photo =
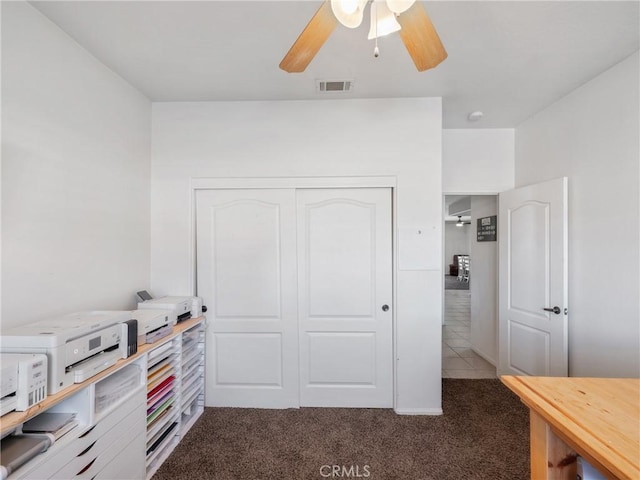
x=104 y=419
x=130 y=417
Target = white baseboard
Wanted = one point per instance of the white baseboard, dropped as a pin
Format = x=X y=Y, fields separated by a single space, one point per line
x=418 y=411
x=483 y=355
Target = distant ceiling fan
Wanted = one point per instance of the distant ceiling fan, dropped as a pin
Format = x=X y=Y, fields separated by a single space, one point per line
x=406 y=16
x=460 y=223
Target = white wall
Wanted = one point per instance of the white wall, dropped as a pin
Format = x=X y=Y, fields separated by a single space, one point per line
x=75 y=176
x=483 y=285
x=592 y=137
x=477 y=160
x=1 y=134
x=400 y=137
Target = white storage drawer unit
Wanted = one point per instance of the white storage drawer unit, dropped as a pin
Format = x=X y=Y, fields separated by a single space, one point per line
x=115 y=429
x=105 y=446
x=127 y=465
x=88 y=449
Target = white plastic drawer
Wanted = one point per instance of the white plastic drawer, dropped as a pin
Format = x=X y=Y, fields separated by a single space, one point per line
x=111 y=417
x=53 y=459
x=128 y=463
x=99 y=430
x=110 y=391
x=66 y=450
x=110 y=455
x=112 y=426
x=103 y=451
x=134 y=403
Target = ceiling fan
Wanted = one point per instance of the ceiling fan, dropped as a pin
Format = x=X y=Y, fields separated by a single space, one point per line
x=406 y=16
x=460 y=223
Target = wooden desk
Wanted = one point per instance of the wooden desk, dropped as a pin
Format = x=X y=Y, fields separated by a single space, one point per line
x=596 y=418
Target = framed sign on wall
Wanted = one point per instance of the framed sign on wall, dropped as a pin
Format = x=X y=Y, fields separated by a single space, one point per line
x=487 y=229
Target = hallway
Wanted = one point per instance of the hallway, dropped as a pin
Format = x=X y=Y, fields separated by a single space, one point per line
x=458 y=360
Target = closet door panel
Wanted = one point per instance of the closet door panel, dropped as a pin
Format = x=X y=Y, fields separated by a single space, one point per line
x=247 y=277
x=344 y=295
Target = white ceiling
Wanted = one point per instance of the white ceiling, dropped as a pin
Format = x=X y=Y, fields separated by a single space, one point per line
x=508 y=59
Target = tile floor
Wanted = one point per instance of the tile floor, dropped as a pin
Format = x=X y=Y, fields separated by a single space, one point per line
x=458 y=360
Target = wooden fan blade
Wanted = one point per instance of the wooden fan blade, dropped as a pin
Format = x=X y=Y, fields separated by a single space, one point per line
x=310 y=40
x=420 y=38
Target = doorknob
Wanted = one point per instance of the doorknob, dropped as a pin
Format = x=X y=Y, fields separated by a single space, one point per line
x=555 y=310
x=385 y=308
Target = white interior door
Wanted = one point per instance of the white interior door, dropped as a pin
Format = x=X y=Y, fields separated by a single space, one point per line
x=246 y=243
x=345 y=293
x=533 y=246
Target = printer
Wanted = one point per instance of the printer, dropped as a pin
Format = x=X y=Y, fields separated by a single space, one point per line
x=77 y=346
x=23 y=381
x=183 y=307
x=153 y=324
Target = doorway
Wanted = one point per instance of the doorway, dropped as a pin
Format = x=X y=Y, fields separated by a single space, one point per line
x=300 y=284
x=469 y=329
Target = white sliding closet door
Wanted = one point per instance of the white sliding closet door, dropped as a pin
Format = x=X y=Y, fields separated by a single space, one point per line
x=246 y=244
x=344 y=296
x=299 y=287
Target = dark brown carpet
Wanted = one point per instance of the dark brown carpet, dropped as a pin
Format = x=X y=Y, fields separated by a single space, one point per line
x=483 y=434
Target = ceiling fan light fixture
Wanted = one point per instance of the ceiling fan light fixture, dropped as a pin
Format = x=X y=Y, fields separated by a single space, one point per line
x=348 y=12
x=399 y=6
x=417 y=33
x=383 y=20
x=349 y=6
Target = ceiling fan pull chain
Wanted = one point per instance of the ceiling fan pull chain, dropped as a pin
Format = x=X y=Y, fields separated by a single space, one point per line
x=376 y=50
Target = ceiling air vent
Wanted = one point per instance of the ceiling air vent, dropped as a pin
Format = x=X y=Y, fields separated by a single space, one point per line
x=334 y=86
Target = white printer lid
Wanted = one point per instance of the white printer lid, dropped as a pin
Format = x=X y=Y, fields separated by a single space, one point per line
x=168 y=300
x=150 y=319
x=57 y=331
x=149 y=315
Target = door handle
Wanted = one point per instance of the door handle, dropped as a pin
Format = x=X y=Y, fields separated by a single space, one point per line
x=555 y=310
x=385 y=308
